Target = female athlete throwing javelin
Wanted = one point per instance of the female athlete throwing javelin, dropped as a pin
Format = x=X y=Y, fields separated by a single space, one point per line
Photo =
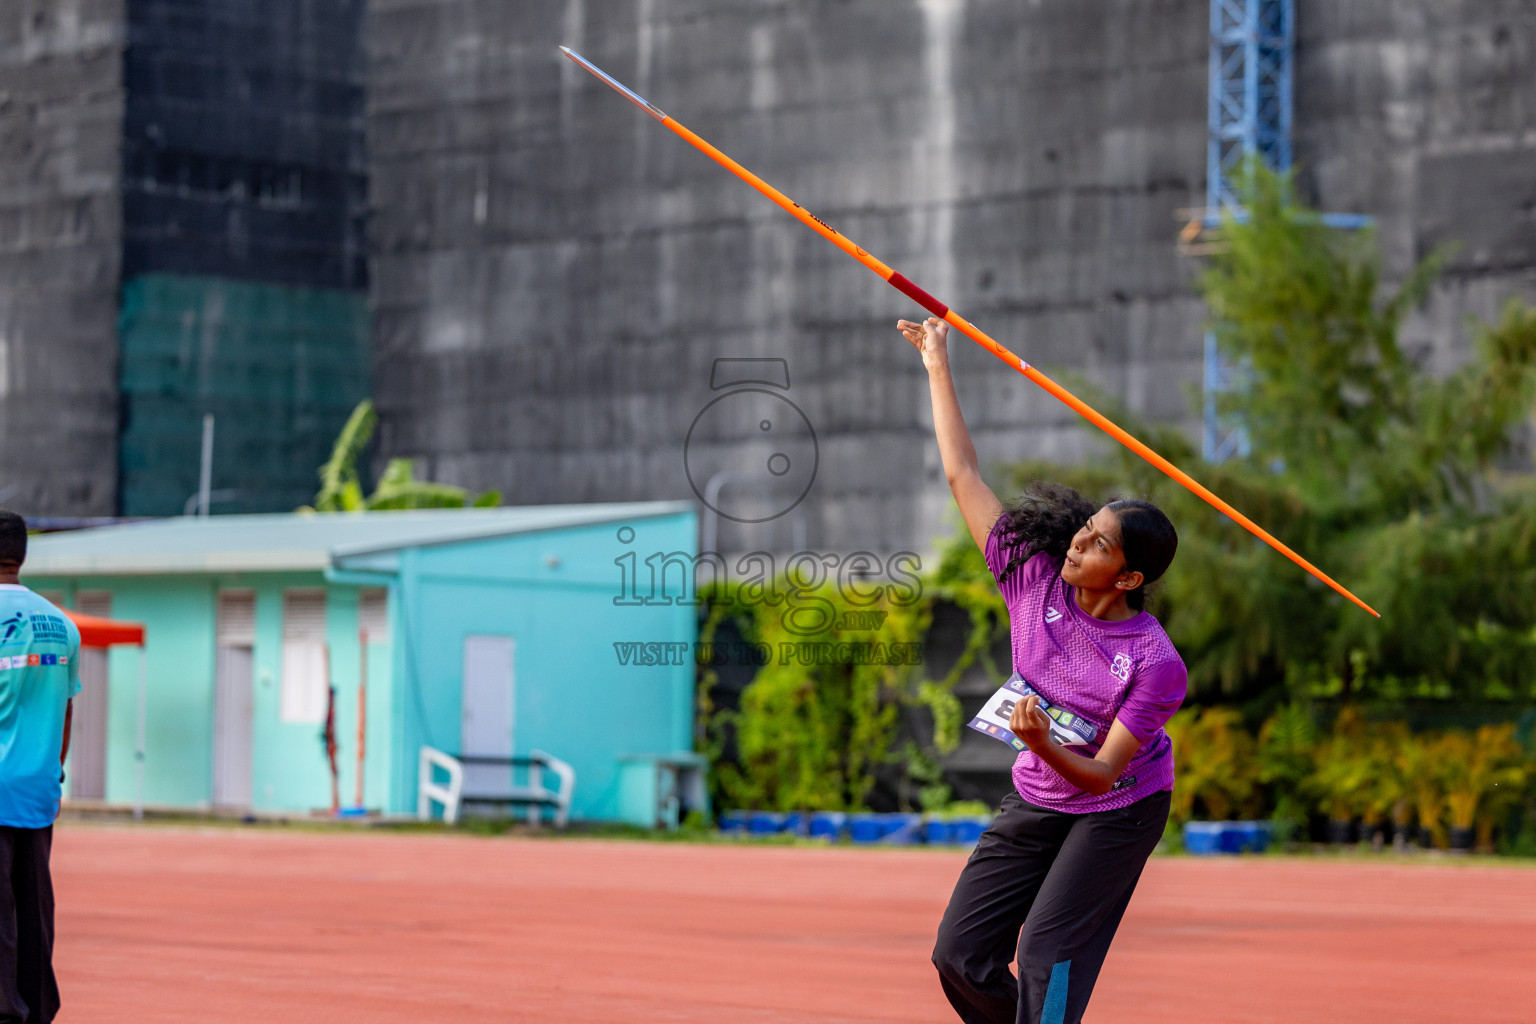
x=1058 y=866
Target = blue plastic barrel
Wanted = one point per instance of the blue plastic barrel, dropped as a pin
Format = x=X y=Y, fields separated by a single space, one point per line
x=826 y=825
x=865 y=828
x=1249 y=836
x=1202 y=837
x=891 y=829
x=967 y=831
x=765 y=823
x=901 y=829
x=937 y=833
x=1231 y=837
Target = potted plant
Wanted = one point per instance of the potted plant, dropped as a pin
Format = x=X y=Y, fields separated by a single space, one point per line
x=1464 y=784
x=1510 y=771
x=1394 y=790
x=1386 y=791
x=1286 y=751
x=1342 y=777
x=1418 y=760
x=1485 y=774
x=1215 y=763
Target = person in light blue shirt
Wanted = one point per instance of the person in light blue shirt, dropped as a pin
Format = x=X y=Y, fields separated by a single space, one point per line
x=39 y=676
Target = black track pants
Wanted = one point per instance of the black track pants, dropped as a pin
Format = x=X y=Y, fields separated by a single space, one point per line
x=1058 y=884
x=28 y=992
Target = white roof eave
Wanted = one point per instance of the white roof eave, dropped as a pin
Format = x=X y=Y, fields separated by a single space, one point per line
x=144 y=549
x=160 y=565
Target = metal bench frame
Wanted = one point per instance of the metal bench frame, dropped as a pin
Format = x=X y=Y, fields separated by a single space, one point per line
x=453 y=796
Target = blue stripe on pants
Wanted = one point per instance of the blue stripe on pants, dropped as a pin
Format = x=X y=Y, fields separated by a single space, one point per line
x=1055 y=1009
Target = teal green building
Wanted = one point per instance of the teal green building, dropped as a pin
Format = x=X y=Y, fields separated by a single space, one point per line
x=492 y=631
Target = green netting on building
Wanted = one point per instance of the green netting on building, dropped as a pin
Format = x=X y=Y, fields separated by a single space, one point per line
x=279 y=367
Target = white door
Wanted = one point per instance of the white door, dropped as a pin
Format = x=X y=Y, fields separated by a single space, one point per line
x=88 y=729
x=486 y=725
x=232 y=727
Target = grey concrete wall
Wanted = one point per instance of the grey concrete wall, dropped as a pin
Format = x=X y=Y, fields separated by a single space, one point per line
x=1423 y=114
x=554 y=272
x=61 y=112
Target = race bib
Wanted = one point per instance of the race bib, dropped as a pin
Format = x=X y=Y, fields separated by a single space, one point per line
x=1067 y=728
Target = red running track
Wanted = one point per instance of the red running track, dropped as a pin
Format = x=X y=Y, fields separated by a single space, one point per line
x=228 y=926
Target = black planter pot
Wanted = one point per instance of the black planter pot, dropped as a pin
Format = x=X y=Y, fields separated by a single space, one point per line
x=1341 y=831
x=1462 y=838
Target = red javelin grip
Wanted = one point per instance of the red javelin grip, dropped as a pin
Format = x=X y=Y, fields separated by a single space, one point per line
x=917 y=295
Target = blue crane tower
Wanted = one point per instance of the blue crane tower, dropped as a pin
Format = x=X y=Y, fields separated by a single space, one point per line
x=1251 y=59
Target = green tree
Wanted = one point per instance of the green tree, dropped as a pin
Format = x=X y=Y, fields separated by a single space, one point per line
x=810 y=732
x=341 y=488
x=1286 y=751
x=1391 y=479
x=1214 y=763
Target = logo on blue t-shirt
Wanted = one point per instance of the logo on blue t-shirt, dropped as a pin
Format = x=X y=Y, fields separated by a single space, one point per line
x=49 y=629
x=15 y=628
x=46 y=629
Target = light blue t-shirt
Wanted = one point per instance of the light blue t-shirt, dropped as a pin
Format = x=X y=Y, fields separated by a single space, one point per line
x=39 y=673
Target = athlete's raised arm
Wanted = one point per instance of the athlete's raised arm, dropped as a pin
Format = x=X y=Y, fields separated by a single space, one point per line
x=978 y=505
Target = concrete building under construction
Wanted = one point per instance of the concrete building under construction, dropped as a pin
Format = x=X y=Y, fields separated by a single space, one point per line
x=182 y=212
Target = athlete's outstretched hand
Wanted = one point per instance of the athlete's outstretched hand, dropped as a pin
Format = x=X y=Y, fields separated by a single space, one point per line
x=978 y=505
x=930 y=338
x=1030 y=724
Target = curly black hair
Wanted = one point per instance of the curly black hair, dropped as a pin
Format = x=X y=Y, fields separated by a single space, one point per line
x=1044 y=518
x=1048 y=515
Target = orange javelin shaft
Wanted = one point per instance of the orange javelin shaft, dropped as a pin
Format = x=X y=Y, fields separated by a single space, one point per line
x=939 y=309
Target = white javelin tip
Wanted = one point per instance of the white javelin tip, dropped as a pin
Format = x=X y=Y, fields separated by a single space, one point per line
x=620 y=87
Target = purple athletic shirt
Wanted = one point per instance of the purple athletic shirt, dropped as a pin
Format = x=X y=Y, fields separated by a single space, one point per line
x=1096 y=668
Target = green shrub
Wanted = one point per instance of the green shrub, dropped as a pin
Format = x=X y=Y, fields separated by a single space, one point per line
x=1215 y=766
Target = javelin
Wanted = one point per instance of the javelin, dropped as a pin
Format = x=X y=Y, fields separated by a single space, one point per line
x=949 y=316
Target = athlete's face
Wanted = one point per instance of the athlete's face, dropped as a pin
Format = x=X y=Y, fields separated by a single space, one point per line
x=1095 y=560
